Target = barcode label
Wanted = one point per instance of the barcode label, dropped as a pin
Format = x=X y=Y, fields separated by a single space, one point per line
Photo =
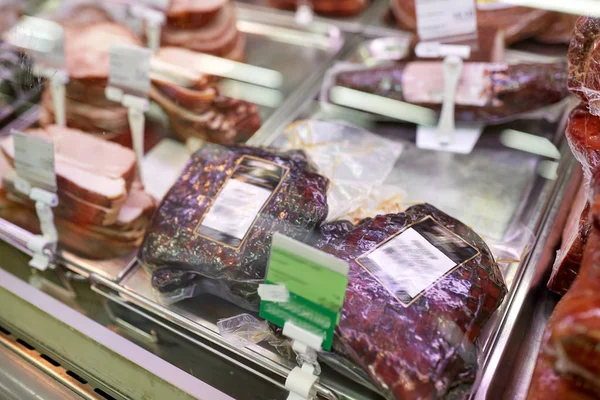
x=415 y=259
x=445 y=18
x=130 y=69
x=240 y=201
x=34 y=160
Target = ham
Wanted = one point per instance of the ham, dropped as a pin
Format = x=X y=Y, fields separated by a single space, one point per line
x=574 y=239
x=218 y=37
x=87 y=49
x=518 y=23
x=334 y=8
x=189 y=14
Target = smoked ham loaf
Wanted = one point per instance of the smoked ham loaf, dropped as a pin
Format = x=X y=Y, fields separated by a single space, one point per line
x=332 y=8
x=207 y=26
x=518 y=23
x=102 y=212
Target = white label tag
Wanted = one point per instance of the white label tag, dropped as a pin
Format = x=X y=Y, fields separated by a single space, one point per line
x=275 y=293
x=130 y=69
x=416 y=258
x=462 y=140
x=44 y=39
x=34 y=160
x=240 y=201
x=445 y=18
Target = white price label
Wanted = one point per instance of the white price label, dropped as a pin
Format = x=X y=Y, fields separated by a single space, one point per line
x=445 y=18
x=130 y=69
x=44 y=39
x=34 y=160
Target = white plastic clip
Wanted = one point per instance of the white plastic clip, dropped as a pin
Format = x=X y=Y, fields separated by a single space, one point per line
x=44 y=245
x=153 y=21
x=304 y=13
x=452 y=69
x=136 y=109
x=58 y=79
x=302 y=380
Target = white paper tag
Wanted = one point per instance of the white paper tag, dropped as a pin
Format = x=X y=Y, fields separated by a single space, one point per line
x=412 y=261
x=240 y=201
x=34 y=160
x=163 y=165
x=275 y=293
x=44 y=39
x=445 y=18
x=130 y=69
x=462 y=140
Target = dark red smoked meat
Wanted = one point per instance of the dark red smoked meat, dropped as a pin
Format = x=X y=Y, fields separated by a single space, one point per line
x=422 y=347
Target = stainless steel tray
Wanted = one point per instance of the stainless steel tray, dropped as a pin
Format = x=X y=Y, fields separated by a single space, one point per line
x=353 y=24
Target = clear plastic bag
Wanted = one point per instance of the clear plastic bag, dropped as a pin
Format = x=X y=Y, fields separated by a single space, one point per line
x=355 y=160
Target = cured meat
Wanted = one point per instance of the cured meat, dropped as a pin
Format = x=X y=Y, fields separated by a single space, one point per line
x=216 y=222
x=219 y=36
x=584 y=72
x=518 y=23
x=561 y=29
x=583 y=136
x=410 y=323
x=568 y=365
x=93 y=176
x=190 y=14
x=486 y=92
x=574 y=239
x=336 y=8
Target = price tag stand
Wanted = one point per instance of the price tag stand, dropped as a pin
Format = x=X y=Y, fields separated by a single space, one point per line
x=303 y=292
x=36 y=178
x=447 y=136
x=153 y=22
x=57 y=79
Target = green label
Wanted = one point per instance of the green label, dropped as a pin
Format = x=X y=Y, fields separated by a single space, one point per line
x=316 y=283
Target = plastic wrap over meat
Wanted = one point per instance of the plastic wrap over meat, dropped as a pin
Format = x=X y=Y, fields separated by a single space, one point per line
x=421 y=287
x=568 y=365
x=217 y=220
x=486 y=92
x=583 y=136
x=584 y=68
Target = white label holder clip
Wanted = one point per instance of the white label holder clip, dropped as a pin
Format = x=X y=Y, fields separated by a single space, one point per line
x=44 y=245
x=153 y=21
x=302 y=380
x=58 y=79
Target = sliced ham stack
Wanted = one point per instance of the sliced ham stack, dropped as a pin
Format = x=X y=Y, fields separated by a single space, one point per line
x=87 y=52
x=201 y=111
x=102 y=210
x=206 y=26
x=333 y=8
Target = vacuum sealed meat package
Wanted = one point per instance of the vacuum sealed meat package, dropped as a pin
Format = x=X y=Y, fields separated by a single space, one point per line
x=421 y=287
x=212 y=231
x=584 y=71
x=486 y=92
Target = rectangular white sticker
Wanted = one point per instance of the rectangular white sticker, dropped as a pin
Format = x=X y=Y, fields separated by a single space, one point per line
x=44 y=39
x=416 y=258
x=445 y=18
x=240 y=201
x=34 y=160
x=130 y=69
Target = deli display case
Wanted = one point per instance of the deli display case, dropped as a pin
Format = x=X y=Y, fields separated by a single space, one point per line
x=262 y=199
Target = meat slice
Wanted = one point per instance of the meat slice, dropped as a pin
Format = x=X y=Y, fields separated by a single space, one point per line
x=571 y=344
x=190 y=14
x=421 y=287
x=216 y=222
x=218 y=37
x=87 y=49
x=584 y=70
x=518 y=23
x=334 y=8
x=583 y=136
x=574 y=239
x=486 y=92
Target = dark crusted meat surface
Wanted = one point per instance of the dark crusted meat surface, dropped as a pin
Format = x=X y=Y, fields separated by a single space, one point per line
x=422 y=349
x=181 y=246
